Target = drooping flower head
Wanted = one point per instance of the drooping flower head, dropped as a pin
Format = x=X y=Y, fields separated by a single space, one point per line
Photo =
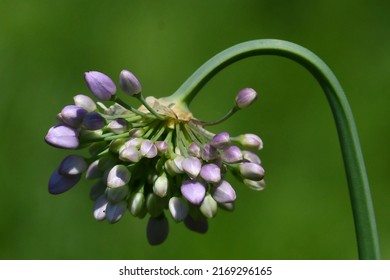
x=154 y=161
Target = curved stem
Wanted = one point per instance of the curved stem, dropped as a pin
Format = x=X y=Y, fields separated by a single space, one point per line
x=362 y=206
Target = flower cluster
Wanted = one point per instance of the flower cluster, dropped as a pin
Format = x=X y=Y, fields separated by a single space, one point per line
x=153 y=159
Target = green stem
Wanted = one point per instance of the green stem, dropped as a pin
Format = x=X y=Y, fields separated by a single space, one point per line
x=359 y=190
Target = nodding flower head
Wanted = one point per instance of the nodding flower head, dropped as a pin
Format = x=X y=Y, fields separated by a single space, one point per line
x=155 y=161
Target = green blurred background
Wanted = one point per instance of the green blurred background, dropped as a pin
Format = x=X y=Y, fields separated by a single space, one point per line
x=46 y=46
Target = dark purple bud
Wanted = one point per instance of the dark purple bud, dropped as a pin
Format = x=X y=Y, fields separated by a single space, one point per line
x=193 y=191
x=194 y=150
x=198 y=225
x=178 y=208
x=209 y=152
x=99 y=209
x=191 y=166
x=245 y=97
x=93 y=121
x=221 y=140
x=85 y=102
x=148 y=149
x=102 y=87
x=251 y=157
x=223 y=192
x=59 y=183
x=93 y=170
x=157 y=230
x=97 y=190
x=232 y=154
x=72 y=165
x=129 y=83
x=73 y=115
x=251 y=141
x=62 y=136
x=251 y=171
x=211 y=173
x=115 y=211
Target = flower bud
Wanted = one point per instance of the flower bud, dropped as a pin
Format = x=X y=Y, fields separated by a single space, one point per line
x=194 y=150
x=101 y=86
x=59 y=183
x=223 y=192
x=93 y=170
x=192 y=166
x=115 y=211
x=130 y=153
x=117 y=194
x=211 y=173
x=62 y=136
x=198 y=225
x=251 y=171
x=154 y=204
x=157 y=230
x=255 y=185
x=251 y=157
x=99 y=209
x=161 y=146
x=221 y=140
x=194 y=191
x=93 y=121
x=128 y=83
x=117 y=126
x=118 y=176
x=209 y=152
x=148 y=149
x=72 y=165
x=73 y=115
x=209 y=207
x=137 y=204
x=178 y=208
x=85 y=102
x=160 y=186
x=251 y=141
x=245 y=97
x=232 y=154
x=97 y=190
x=117 y=145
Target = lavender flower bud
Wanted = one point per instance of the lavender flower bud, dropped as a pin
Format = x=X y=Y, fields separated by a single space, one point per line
x=115 y=211
x=62 y=136
x=232 y=154
x=130 y=153
x=85 y=102
x=154 y=204
x=223 y=192
x=135 y=142
x=137 y=204
x=59 y=183
x=148 y=149
x=245 y=97
x=101 y=86
x=209 y=152
x=129 y=83
x=161 y=146
x=93 y=121
x=255 y=185
x=118 y=176
x=72 y=165
x=197 y=225
x=194 y=150
x=251 y=141
x=192 y=166
x=251 y=157
x=251 y=171
x=209 y=207
x=193 y=191
x=221 y=140
x=160 y=186
x=178 y=208
x=211 y=173
x=73 y=115
x=157 y=230
x=117 y=126
x=99 y=210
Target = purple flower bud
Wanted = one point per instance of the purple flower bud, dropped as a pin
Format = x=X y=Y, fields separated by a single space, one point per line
x=221 y=140
x=130 y=153
x=160 y=186
x=232 y=154
x=194 y=150
x=129 y=83
x=251 y=157
x=85 y=102
x=117 y=126
x=148 y=149
x=211 y=173
x=251 y=141
x=209 y=152
x=135 y=142
x=251 y=171
x=199 y=225
x=59 y=183
x=115 y=211
x=178 y=208
x=99 y=210
x=72 y=165
x=93 y=170
x=73 y=115
x=223 y=192
x=193 y=191
x=192 y=166
x=102 y=87
x=209 y=207
x=255 y=185
x=137 y=204
x=162 y=146
x=245 y=97
x=157 y=230
x=93 y=121
x=118 y=176
x=62 y=136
